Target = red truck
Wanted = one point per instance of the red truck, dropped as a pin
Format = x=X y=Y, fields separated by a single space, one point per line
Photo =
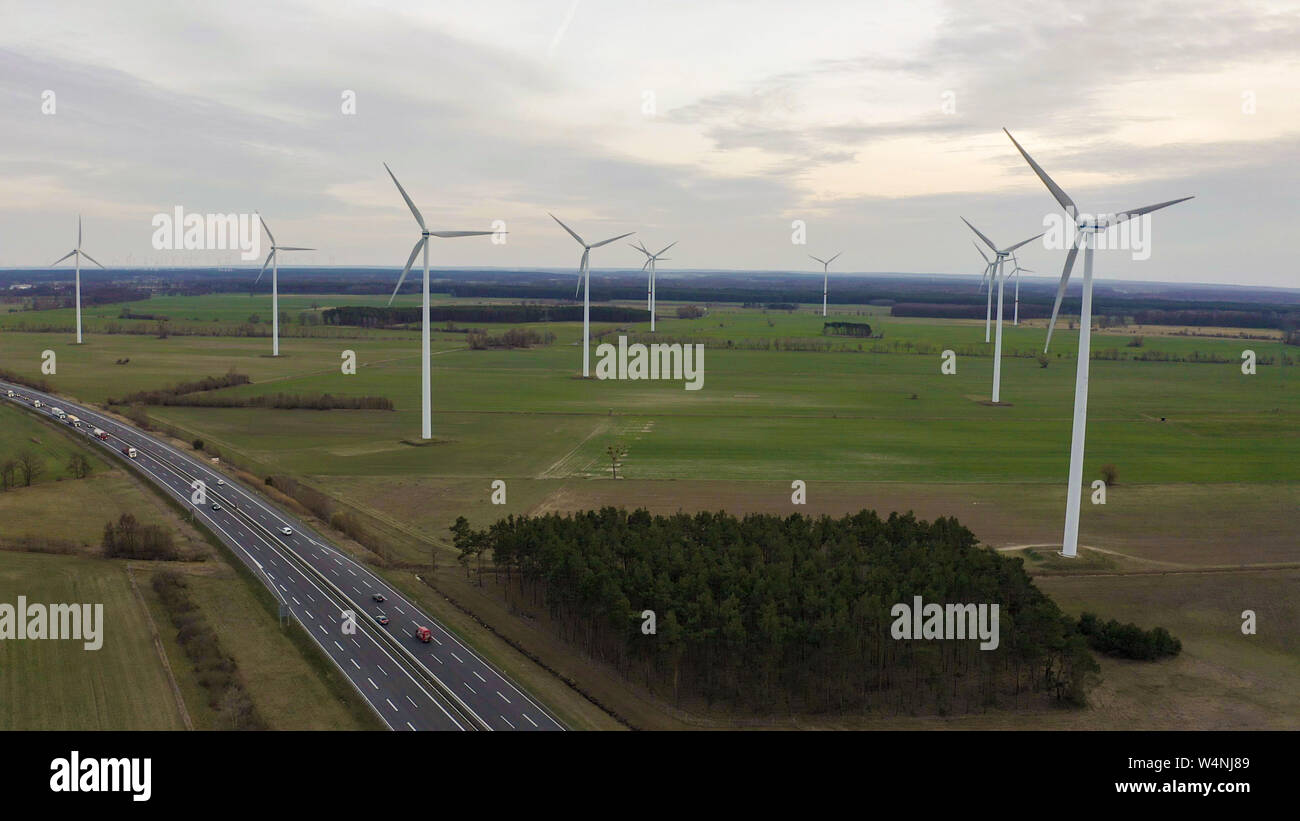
x=423 y=634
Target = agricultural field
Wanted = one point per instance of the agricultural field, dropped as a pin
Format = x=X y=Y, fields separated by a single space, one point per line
x=59 y=685
x=1208 y=458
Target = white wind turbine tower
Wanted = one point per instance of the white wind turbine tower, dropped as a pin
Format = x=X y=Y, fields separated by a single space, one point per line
x=995 y=269
x=584 y=280
x=1086 y=229
x=1016 y=273
x=78 y=253
x=426 y=386
x=826 y=274
x=650 y=261
x=275 y=284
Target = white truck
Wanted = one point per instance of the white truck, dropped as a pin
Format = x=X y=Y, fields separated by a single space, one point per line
x=10 y=393
x=58 y=413
x=36 y=403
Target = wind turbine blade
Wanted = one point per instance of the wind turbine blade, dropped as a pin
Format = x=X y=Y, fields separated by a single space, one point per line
x=409 y=204
x=264 y=264
x=987 y=241
x=981 y=250
x=65 y=256
x=582 y=269
x=647 y=263
x=1020 y=244
x=1124 y=216
x=450 y=234
x=832 y=259
x=642 y=250
x=567 y=228
x=292 y=248
x=267 y=228
x=666 y=247
x=611 y=239
x=78 y=232
x=1061 y=197
x=1060 y=288
x=89 y=257
x=419 y=244
x=819 y=260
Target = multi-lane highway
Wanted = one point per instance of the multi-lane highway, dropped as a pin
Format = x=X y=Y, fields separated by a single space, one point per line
x=411 y=684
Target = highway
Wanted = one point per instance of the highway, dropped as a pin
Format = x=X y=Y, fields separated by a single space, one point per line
x=411 y=685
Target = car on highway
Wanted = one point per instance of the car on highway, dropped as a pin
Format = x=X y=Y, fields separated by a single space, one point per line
x=382 y=619
x=221 y=482
x=216 y=506
x=288 y=531
x=378 y=597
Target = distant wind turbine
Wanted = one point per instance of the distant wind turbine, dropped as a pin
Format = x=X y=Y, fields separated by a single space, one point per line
x=275 y=284
x=584 y=280
x=826 y=269
x=988 y=266
x=995 y=269
x=1086 y=229
x=422 y=244
x=650 y=261
x=1016 y=273
x=78 y=254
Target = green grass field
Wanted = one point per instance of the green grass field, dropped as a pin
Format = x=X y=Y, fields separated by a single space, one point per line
x=58 y=685
x=1215 y=484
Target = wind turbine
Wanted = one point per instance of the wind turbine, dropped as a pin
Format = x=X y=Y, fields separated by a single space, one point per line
x=585 y=269
x=650 y=261
x=1086 y=228
x=1016 y=274
x=78 y=254
x=426 y=387
x=826 y=274
x=995 y=271
x=275 y=284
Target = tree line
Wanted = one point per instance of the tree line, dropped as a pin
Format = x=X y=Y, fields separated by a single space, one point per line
x=786 y=613
x=374 y=316
x=156 y=397
x=217 y=672
x=278 y=401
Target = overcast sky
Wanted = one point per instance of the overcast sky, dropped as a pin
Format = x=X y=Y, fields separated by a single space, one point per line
x=716 y=124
